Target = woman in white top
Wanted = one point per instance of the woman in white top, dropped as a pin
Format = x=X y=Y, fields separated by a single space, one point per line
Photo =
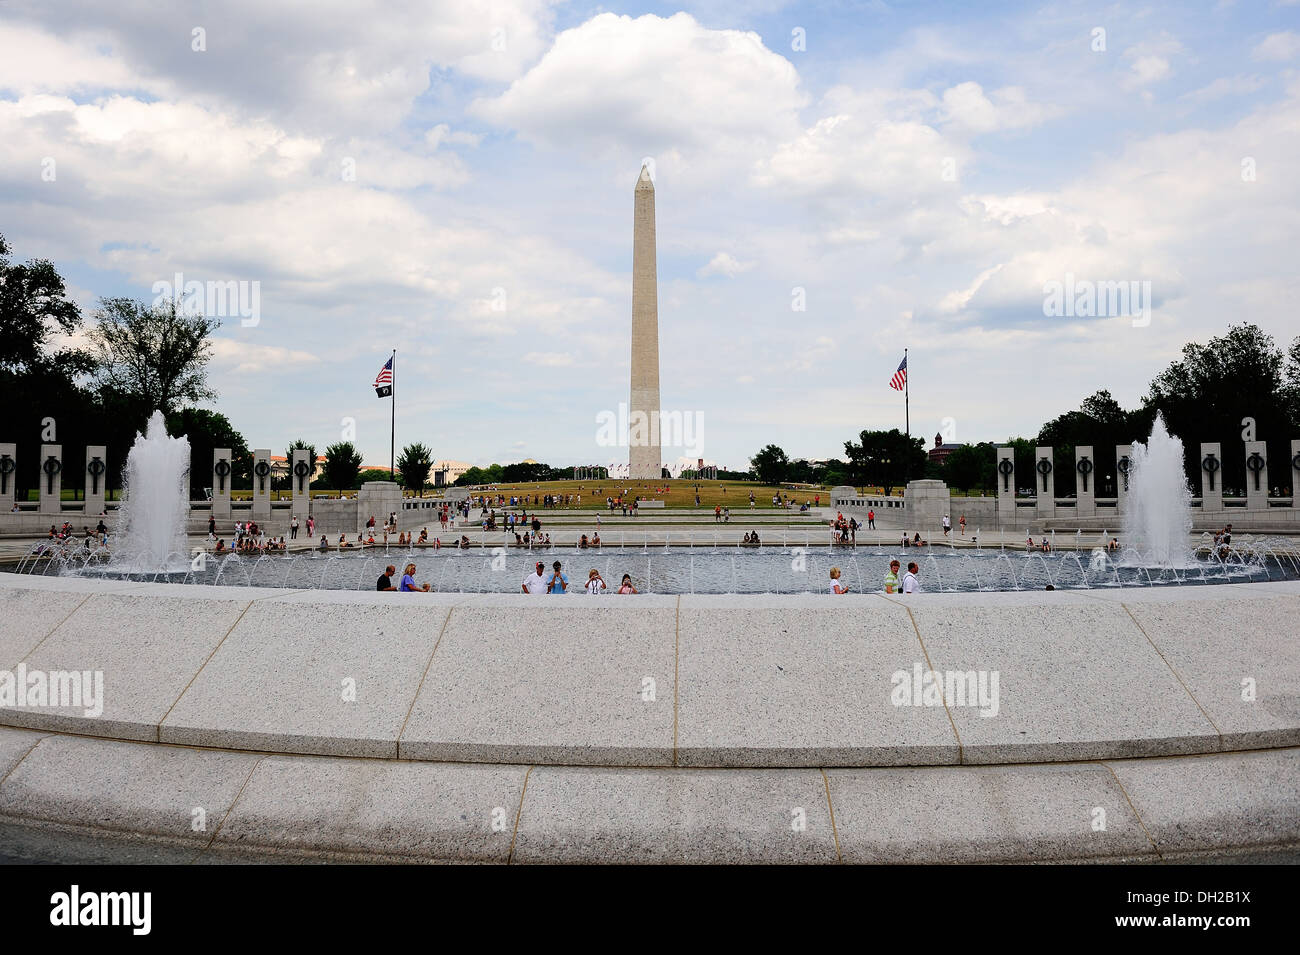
x=595 y=583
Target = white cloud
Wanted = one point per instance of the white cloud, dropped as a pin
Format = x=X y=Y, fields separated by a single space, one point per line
x=665 y=87
x=353 y=64
x=1239 y=85
x=1149 y=61
x=1278 y=46
x=966 y=106
x=234 y=357
x=548 y=359
x=442 y=133
x=724 y=264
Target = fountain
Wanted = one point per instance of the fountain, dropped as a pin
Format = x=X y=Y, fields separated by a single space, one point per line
x=1159 y=515
x=150 y=530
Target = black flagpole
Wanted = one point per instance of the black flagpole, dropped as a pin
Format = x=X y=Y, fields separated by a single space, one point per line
x=392 y=434
x=907 y=415
x=907 y=411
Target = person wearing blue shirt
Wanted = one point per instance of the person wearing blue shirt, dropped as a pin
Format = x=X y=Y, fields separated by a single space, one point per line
x=559 y=583
x=408 y=584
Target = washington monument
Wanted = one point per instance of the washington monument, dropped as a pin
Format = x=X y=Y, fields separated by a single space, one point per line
x=643 y=413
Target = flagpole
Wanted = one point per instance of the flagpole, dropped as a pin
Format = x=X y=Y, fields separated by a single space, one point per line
x=392 y=434
x=907 y=414
x=907 y=411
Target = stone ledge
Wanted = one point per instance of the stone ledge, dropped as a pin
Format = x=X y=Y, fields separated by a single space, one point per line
x=302 y=808
x=723 y=681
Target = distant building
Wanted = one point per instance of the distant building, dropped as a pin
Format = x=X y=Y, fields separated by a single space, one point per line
x=280 y=466
x=444 y=473
x=939 y=453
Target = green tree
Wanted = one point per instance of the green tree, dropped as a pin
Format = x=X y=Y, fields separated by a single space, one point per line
x=972 y=467
x=414 y=464
x=770 y=465
x=885 y=458
x=342 y=466
x=153 y=356
x=1291 y=389
x=38 y=382
x=207 y=431
x=34 y=304
x=1208 y=393
x=377 y=474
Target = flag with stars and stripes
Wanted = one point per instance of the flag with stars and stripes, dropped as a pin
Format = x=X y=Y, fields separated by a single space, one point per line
x=900 y=376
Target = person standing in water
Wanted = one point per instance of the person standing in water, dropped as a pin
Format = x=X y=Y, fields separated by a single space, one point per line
x=559 y=582
x=891 y=578
x=836 y=587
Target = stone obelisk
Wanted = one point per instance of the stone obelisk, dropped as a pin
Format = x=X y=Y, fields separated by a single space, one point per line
x=643 y=413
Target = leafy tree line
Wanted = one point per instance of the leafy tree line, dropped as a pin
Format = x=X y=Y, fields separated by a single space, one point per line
x=1222 y=390
x=136 y=358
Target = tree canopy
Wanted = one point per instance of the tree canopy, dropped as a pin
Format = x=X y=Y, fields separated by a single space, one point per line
x=414 y=464
x=770 y=465
x=153 y=356
x=885 y=458
x=342 y=466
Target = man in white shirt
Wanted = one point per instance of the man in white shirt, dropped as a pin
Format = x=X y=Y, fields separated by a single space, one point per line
x=535 y=583
x=911 y=584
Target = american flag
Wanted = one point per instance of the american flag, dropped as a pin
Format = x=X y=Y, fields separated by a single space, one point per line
x=384 y=383
x=900 y=376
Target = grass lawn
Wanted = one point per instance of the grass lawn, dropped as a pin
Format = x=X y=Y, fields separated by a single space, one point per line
x=732 y=494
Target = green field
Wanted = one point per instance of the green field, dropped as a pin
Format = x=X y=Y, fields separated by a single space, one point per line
x=676 y=494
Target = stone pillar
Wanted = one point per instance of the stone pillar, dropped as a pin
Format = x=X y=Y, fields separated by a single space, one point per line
x=1085 y=477
x=300 y=473
x=378 y=499
x=8 y=476
x=926 y=502
x=262 y=485
x=1211 y=476
x=96 y=477
x=1123 y=457
x=1295 y=470
x=1005 y=486
x=1256 y=480
x=51 y=473
x=221 y=462
x=1046 y=504
x=645 y=459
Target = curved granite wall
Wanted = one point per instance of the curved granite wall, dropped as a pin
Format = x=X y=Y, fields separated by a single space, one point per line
x=716 y=681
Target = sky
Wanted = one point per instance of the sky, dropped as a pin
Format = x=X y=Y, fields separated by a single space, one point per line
x=835 y=182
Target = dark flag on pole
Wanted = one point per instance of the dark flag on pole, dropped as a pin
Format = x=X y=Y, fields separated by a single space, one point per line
x=384 y=383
